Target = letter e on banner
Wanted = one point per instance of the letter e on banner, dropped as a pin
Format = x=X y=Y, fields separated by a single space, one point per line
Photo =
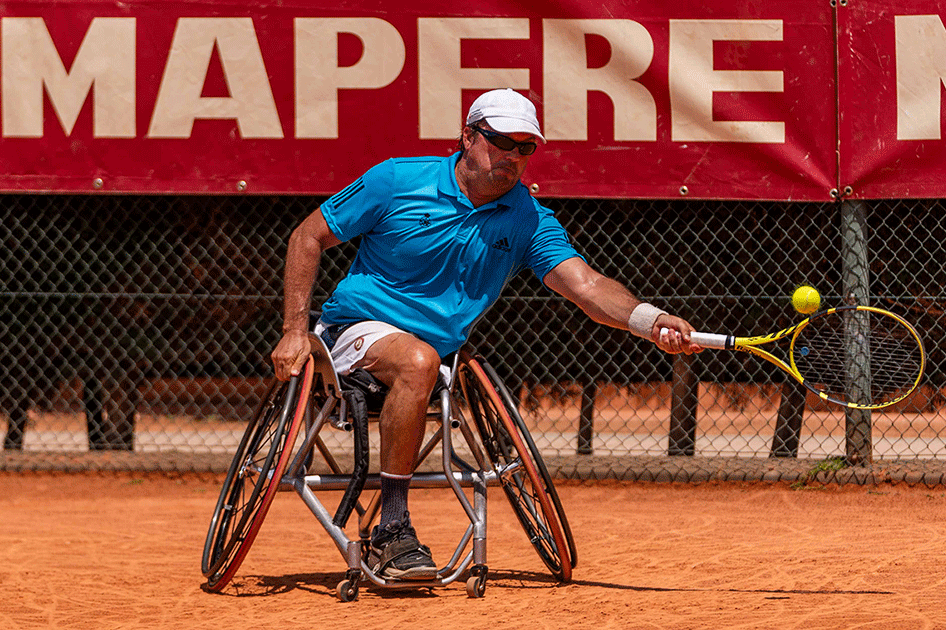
x=693 y=81
x=441 y=77
x=921 y=68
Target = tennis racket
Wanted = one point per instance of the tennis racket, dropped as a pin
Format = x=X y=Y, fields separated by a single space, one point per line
x=856 y=356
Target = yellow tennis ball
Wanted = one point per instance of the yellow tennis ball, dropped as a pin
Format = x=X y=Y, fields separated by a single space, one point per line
x=806 y=300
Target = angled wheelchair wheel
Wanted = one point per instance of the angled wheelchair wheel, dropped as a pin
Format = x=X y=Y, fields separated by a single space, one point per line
x=253 y=478
x=522 y=472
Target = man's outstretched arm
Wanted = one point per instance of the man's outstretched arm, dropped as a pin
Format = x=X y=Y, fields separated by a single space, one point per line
x=608 y=302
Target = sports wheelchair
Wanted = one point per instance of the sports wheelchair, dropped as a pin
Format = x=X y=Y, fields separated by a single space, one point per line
x=474 y=404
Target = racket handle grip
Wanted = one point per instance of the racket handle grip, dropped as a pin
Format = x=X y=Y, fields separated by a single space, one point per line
x=713 y=340
x=708 y=340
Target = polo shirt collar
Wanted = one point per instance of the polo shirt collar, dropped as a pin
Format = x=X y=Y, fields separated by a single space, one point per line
x=447 y=185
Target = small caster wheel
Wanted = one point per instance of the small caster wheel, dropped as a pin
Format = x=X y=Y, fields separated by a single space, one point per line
x=475 y=587
x=476 y=583
x=347 y=590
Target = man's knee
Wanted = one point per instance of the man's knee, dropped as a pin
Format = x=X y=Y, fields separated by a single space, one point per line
x=403 y=360
x=421 y=363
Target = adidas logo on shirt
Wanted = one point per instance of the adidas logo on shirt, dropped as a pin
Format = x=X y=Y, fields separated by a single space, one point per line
x=502 y=244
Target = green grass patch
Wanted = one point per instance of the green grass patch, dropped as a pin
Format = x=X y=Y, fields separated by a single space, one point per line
x=831 y=464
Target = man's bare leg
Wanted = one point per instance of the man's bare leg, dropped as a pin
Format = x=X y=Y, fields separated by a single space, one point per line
x=409 y=367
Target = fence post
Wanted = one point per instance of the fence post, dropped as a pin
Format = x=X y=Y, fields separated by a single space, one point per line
x=791 y=413
x=110 y=400
x=16 y=426
x=683 y=404
x=586 y=421
x=858 y=448
x=93 y=404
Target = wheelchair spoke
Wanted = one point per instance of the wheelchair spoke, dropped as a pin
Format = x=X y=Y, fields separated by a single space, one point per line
x=519 y=467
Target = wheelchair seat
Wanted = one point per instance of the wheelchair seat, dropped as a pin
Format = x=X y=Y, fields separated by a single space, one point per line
x=359 y=378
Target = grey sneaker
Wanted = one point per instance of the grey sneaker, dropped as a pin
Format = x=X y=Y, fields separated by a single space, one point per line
x=395 y=553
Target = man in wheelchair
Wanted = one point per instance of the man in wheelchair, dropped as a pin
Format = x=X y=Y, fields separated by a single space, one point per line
x=441 y=237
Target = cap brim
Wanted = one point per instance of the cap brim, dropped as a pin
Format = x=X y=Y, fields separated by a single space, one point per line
x=514 y=125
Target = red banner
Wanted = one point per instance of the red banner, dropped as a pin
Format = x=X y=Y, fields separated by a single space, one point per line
x=892 y=64
x=709 y=99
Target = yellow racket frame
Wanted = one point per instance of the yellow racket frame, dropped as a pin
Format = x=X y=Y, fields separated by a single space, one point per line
x=751 y=345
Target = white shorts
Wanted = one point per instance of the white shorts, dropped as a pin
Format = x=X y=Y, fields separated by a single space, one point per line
x=353 y=344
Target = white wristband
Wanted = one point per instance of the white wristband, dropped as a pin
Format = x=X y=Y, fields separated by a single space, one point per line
x=642 y=320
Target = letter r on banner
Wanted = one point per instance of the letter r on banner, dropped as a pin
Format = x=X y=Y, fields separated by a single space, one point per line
x=567 y=78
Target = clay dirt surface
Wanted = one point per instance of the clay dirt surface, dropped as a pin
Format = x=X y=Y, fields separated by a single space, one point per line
x=122 y=551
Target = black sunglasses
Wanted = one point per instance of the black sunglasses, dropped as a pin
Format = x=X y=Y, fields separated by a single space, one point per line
x=506 y=143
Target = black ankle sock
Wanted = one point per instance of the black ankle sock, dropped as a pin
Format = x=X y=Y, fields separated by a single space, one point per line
x=393 y=498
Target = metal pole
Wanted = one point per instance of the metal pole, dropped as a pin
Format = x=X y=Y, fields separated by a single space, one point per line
x=855 y=276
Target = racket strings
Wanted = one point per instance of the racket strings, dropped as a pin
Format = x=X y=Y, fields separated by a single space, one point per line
x=858 y=356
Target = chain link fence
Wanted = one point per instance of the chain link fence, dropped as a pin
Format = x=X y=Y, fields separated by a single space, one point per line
x=135 y=331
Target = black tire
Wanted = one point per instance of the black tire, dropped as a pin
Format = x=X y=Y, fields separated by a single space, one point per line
x=523 y=474
x=253 y=478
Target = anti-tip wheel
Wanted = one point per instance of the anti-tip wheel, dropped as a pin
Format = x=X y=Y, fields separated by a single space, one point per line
x=475 y=587
x=347 y=590
x=476 y=583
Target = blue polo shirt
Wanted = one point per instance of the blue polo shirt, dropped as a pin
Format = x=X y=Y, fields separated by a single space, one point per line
x=429 y=262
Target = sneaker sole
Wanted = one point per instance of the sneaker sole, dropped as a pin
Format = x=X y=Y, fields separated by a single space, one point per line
x=416 y=573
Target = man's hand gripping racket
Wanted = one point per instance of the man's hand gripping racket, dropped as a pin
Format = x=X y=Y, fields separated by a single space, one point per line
x=856 y=356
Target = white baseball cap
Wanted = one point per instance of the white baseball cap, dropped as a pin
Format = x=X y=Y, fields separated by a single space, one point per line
x=506 y=111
